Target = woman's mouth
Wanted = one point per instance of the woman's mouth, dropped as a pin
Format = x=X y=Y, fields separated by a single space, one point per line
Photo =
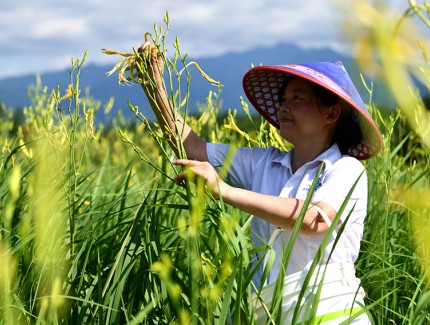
x=285 y=120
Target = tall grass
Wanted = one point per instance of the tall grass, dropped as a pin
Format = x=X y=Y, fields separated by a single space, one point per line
x=395 y=262
x=94 y=231
x=391 y=270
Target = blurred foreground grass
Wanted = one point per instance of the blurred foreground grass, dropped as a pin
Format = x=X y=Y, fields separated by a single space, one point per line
x=93 y=230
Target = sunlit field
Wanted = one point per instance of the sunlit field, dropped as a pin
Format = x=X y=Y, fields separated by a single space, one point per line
x=93 y=229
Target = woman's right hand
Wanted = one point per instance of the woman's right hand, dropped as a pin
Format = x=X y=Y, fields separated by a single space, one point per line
x=155 y=66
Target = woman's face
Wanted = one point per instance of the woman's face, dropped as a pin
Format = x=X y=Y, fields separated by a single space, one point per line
x=299 y=116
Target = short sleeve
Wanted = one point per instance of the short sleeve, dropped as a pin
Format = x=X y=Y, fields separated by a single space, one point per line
x=337 y=184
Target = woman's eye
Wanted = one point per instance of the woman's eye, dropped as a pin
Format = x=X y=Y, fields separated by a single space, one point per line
x=291 y=98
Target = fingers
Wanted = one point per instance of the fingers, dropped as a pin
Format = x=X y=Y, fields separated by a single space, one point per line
x=148 y=47
x=187 y=162
x=153 y=63
x=145 y=47
x=194 y=169
x=185 y=174
x=180 y=178
x=188 y=174
x=200 y=172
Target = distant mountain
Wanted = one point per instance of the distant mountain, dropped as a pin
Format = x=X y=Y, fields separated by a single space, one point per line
x=228 y=69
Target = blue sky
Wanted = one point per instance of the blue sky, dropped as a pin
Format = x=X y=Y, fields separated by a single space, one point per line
x=44 y=35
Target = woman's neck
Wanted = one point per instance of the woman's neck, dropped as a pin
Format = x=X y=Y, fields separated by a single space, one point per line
x=304 y=154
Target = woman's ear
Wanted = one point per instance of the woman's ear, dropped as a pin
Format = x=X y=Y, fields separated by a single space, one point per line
x=333 y=113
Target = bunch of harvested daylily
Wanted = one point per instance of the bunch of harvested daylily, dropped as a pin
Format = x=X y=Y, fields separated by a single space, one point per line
x=134 y=66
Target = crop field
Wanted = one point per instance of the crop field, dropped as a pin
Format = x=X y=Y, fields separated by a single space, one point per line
x=94 y=230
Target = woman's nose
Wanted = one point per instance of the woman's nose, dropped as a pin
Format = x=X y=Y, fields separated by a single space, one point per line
x=284 y=107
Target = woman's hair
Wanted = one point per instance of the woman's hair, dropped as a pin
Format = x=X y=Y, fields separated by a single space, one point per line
x=347 y=133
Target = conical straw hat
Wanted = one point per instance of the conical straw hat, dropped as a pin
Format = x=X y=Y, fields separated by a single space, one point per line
x=261 y=85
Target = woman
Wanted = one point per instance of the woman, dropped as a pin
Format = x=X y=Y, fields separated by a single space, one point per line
x=318 y=110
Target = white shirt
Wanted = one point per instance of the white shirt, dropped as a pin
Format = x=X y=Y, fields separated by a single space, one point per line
x=268 y=171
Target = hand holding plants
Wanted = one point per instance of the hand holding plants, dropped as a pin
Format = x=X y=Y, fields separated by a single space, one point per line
x=154 y=66
x=203 y=171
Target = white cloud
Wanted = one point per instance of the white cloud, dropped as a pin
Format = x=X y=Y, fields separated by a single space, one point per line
x=60 y=28
x=46 y=34
x=240 y=25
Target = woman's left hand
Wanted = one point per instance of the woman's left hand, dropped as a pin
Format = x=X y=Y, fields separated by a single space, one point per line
x=202 y=170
